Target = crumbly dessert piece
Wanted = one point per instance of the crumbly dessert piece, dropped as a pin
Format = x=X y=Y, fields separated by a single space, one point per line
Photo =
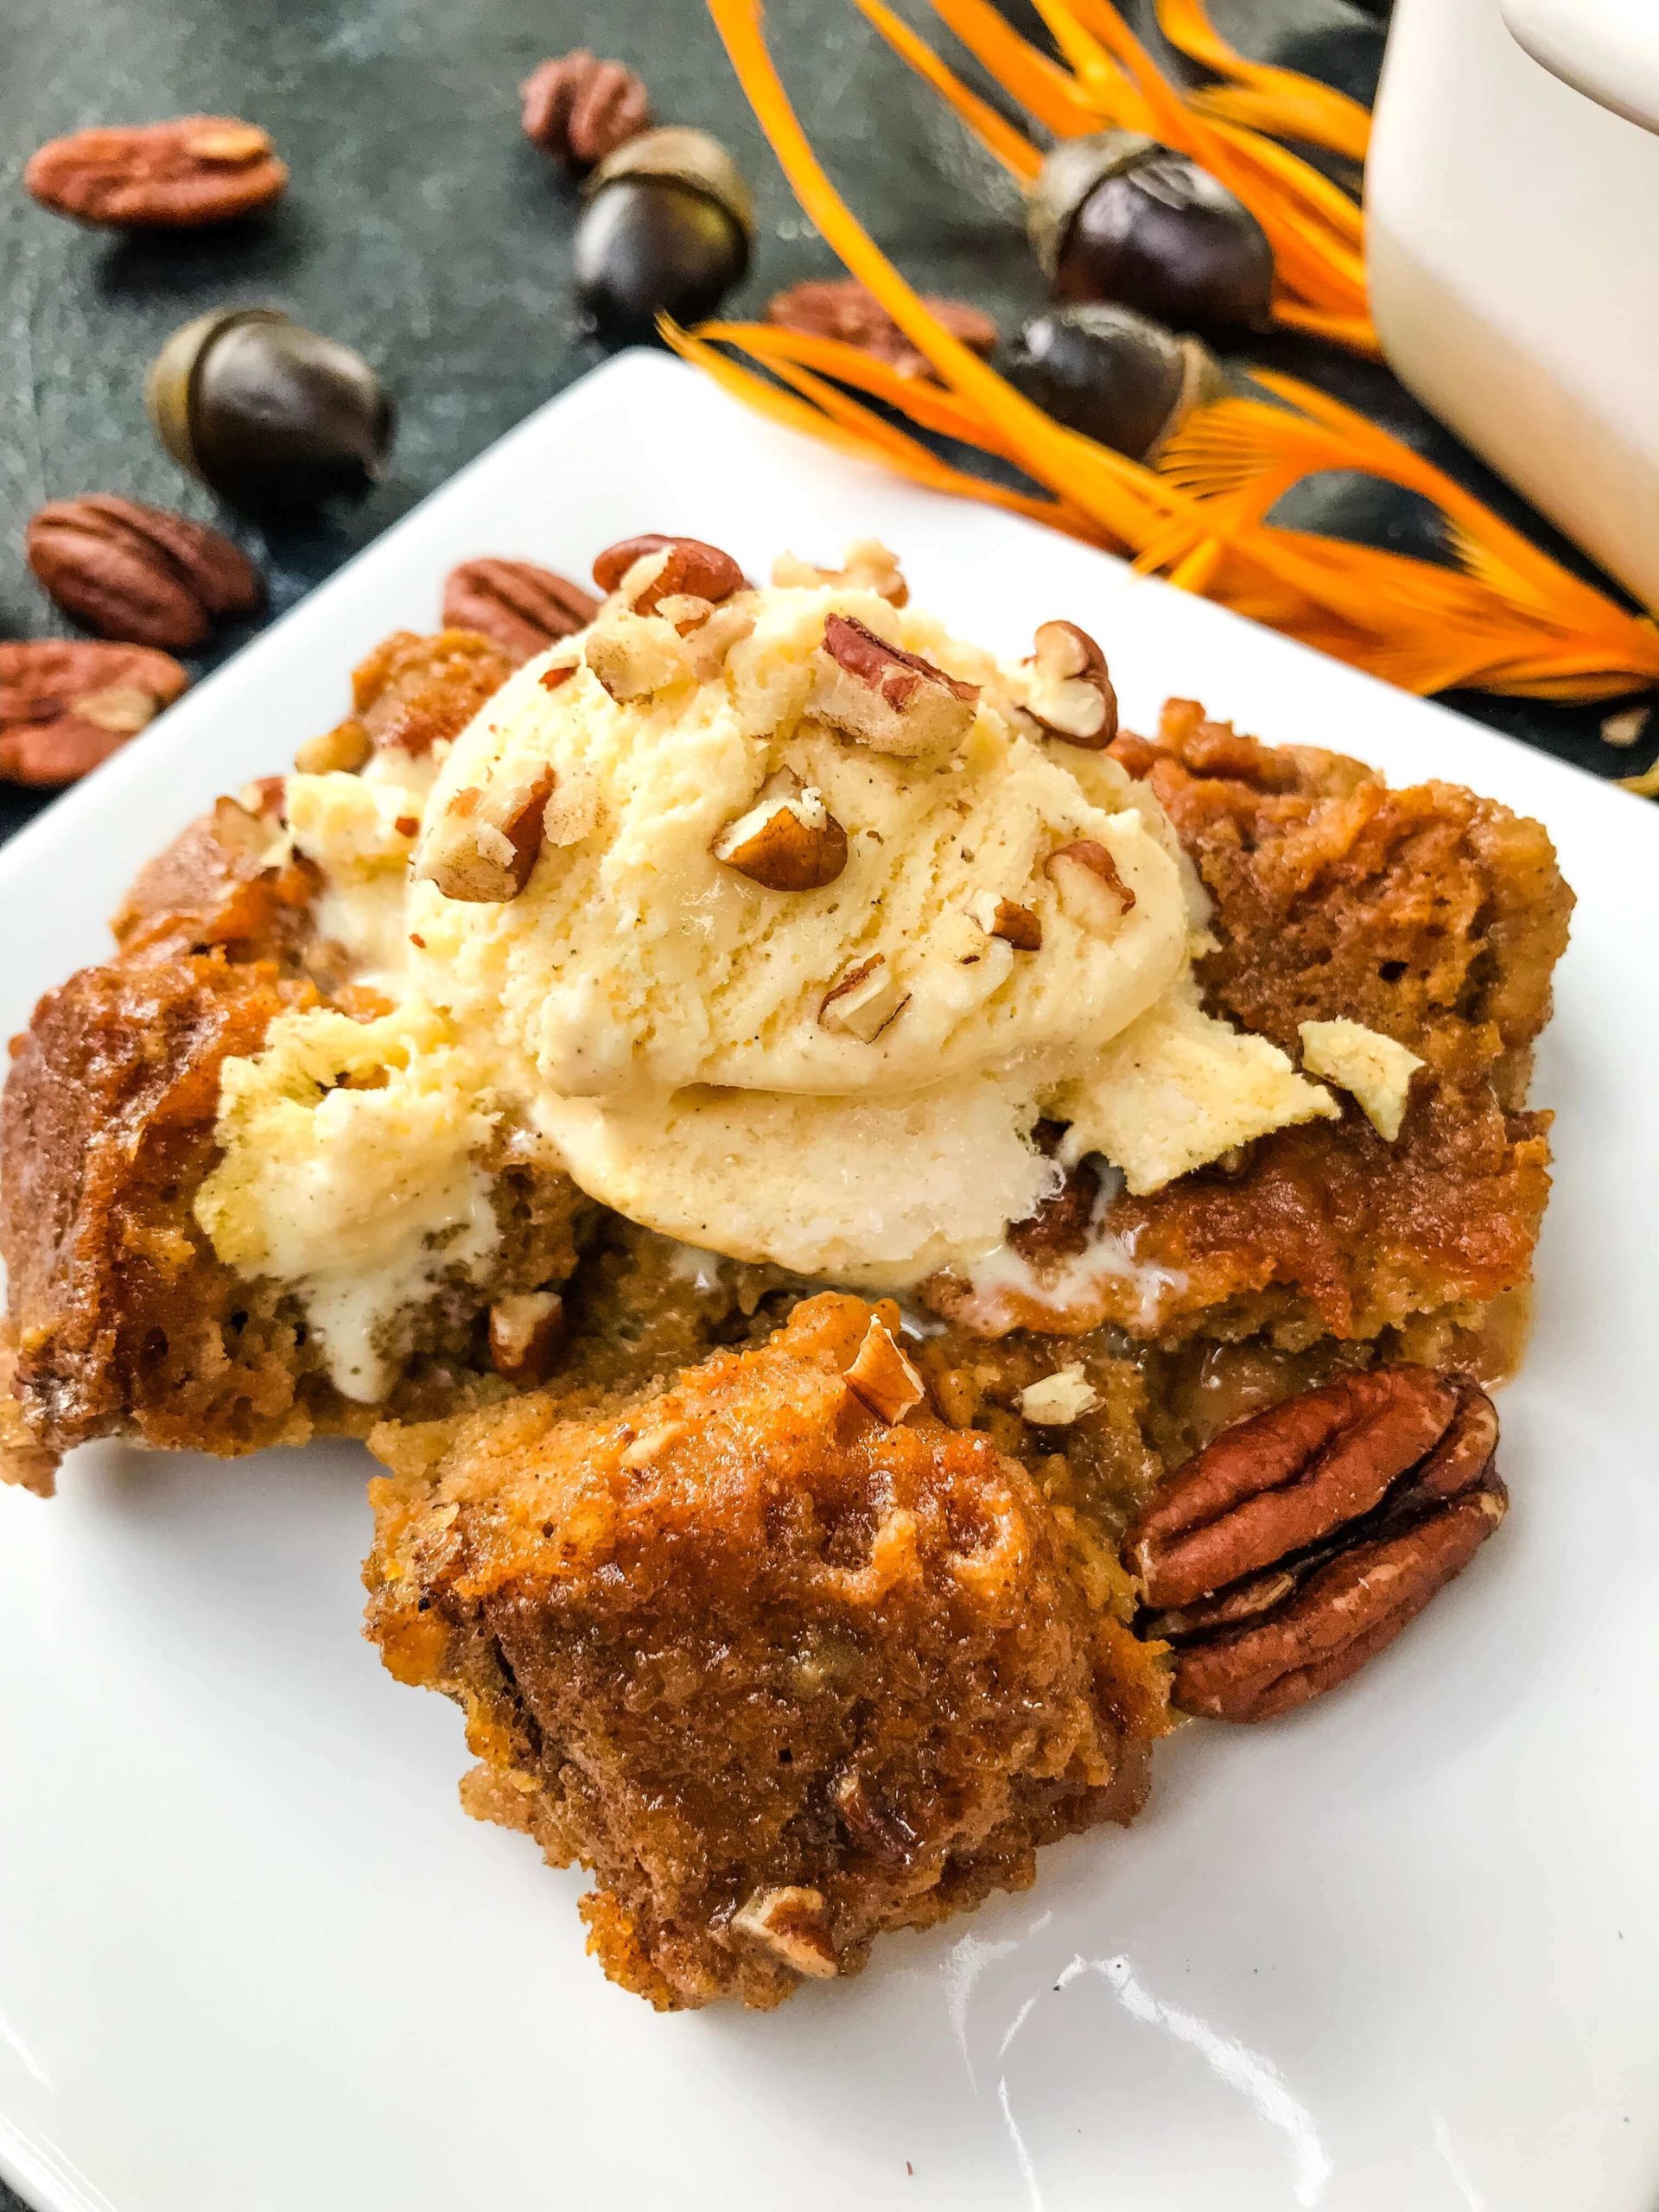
x=1426 y=920
x=792 y=1622
x=123 y=1321
x=1428 y=915
x=783 y=1673
x=416 y=690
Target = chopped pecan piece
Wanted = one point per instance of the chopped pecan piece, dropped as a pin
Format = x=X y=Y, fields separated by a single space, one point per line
x=788 y=840
x=631 y=656
x=482 y=847
x=340 y=751
x=527 y=1334
x=882 y=1378
x=1068 y=690
x=867 y=565
x=1056 y=1401
x=892 y=700
x=1092 y=893
x=1007 y=918
x=1301 y=1540
x=793 y=1925
x=713 y=637
x=865 y=1000
x=682 y=567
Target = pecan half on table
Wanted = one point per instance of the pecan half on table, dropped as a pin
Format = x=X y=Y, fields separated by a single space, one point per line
x=524 y=609
x=1300 y=1541
x=142 y=575
x=841 y=308
x=64 y=708
x=176 y=175
x=579 y=108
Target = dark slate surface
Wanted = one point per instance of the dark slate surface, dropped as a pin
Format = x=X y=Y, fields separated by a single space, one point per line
x=420 y=228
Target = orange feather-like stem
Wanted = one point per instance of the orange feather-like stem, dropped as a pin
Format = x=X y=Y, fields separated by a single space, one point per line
x=1508 y=619
x=1282 y=101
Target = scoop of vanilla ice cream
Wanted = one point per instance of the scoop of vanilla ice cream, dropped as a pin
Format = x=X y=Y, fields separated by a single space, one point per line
x=635 y=962
x=881 y=1192
x=843 y=1080
x=350 y=1171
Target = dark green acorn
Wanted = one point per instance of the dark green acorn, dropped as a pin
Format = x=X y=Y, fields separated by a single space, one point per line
x=1116 y=375
x=268 y=413
x=667 y=230
x=1117 y=217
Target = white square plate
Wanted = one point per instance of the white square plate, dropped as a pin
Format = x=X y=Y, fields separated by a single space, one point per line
x=1399 y=1952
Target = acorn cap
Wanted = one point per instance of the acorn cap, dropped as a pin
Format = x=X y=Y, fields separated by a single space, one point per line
x=171 y=382
x=1067 y=178
x=683 y=157
x=1202 y=381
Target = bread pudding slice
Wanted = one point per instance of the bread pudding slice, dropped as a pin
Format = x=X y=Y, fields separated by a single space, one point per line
x=783 y=1671
x=419 y=1080
x=122 y=1319
x=1427 y=916
x=1432 y=917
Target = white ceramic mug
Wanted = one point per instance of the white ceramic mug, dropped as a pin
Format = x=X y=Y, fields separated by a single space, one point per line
x=1513 y=266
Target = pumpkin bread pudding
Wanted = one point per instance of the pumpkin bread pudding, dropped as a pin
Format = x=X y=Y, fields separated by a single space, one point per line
x=788 y=1134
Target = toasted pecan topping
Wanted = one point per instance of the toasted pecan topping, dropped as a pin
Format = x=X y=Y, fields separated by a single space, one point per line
x=788 y=840
x=1092 y=893
x=483 y=846
x=865 y=1000
x=882 y=1378
x=683 y=566
x=1068 y=690
x=892 y=700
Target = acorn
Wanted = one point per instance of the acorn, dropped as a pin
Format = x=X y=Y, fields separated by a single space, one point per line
x=1115 y=375
x=267 y=413
x=1117 y=217
x=668 y=228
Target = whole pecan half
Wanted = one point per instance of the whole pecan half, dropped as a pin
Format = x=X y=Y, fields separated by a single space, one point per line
x=1302 y=1540
x=841 y=308
x=177 y=176
x=139 y=574
x=524 y=608
x=579 y=109
x=690 y=568
x=64 y=708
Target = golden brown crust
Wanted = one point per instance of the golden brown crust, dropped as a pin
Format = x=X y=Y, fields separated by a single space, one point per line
x=23 y=1461
x=211 y=886
x=1426 y=912
x=1429 y=914
x=415 y=691
x=123 y=1321
x=106 y=1132
x=745 y=1644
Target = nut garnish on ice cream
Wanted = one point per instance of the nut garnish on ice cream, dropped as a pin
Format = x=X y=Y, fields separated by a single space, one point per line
x=1068 y=690
x=775 y=917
